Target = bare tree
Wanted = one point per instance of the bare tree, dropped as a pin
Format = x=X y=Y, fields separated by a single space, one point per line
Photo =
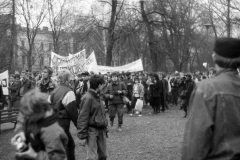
x=31 y=14
x=58 y=12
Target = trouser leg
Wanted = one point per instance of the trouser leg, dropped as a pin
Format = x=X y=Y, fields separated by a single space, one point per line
x=185 y=107
x=92 y=148
x=102 y=146
x=120 y=114
x=70 y=147
x=112 y=112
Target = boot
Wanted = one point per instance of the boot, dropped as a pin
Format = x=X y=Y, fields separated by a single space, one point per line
x=119 y=129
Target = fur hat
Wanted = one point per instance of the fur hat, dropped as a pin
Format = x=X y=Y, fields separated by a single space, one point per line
x=227 y=47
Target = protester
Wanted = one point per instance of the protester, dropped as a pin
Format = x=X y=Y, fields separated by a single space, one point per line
x=114 y=92
x=26 y=84
x=163 y=91
x=155 y=94
x=92 y=122
x=138 y=93
x=213 y=126
x=42 y=138
x=63 y=101
x=46 y=85
x=188 y=86
x=14 y=88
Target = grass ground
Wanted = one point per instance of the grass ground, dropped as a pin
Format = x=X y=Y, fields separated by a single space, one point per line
x=150 y=137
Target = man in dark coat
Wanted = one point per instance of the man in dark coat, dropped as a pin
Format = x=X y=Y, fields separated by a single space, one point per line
x=26 y=83
x=114 y=92
x=92 y=122
x=188 y=86
x=14 y=88
x=213 y=126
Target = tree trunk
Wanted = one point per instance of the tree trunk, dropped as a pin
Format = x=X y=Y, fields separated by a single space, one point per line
x=13 y=38
x=29 y=59
x=111 y=34
x=151 y=39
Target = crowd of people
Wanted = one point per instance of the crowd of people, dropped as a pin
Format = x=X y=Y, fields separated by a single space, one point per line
x=83 y=99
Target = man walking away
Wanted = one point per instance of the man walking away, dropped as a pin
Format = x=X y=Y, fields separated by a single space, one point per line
x=92 y=122
x=213 y=126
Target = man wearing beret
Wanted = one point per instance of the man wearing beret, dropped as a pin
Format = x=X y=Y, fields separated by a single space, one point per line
x=213 y=128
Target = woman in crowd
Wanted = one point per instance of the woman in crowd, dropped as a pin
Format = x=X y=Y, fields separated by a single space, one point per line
x=155 y=94
x=138 y=92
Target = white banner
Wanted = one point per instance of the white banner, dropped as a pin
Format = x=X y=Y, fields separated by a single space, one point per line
x=91 y=63
x=4 y=82
x=75 y=63
x=131 y=67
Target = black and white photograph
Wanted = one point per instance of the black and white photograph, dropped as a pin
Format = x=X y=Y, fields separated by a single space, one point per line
x=119 y=79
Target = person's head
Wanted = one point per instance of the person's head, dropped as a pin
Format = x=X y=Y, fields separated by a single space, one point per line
x=96 y=82
x=105 y=77
x=140 y=77
x=24 y=75
x=34 y=105
x=136 y=80
x=64 y=76
x=114 y=77
x=227 y=53
x=85 y=75
x=47 y=72
x=188 y=76
x=160 y=76
x=155 y=78
x=11 y=78
x=17 y=77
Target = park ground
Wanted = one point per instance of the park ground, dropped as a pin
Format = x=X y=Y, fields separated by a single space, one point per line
x=150 y=137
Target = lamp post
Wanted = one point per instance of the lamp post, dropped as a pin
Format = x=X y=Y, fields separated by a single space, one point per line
x=207 y=25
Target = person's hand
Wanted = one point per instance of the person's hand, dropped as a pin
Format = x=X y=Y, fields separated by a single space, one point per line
x=21 y=135
x=111 y=96
x=83 y=142
x=119 y=92
x=29 y=154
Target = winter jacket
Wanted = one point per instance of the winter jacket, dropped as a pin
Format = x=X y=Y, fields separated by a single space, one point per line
x=47 y=138
x=92 y=114
x=63 y=101
x=46 y=87
x=140 y=90
x=14 y=89
x=112 y=89
x=26 y=85
x=213 y=126
x=155 y=89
